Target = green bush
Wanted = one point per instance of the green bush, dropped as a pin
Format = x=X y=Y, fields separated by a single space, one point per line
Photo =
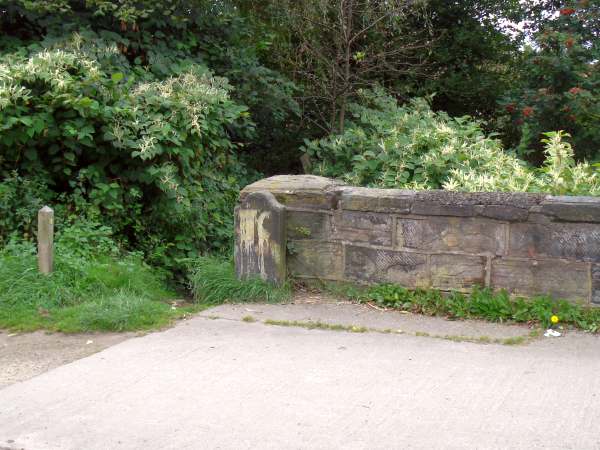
x=152 y=158
x=20 y=200
x=387 y=145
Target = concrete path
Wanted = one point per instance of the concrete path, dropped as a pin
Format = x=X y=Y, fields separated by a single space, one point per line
x=222 y=383
x=25 y=355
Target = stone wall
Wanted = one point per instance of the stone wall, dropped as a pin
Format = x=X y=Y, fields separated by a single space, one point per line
x=527 y=244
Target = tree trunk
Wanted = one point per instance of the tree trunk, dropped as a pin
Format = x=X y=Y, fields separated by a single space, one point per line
x=344 y=99
x=334 y=99
x=347 y=59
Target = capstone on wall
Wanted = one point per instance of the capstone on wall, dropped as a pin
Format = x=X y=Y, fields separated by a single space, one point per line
x=527 y=244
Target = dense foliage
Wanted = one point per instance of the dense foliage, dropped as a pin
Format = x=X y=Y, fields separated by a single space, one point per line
x=152 y=158
x=558 y=85
x=148 y=116
x=411 y=146
x=110 y=112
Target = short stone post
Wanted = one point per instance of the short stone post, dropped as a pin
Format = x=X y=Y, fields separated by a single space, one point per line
x=260 y=247
x=45 y=237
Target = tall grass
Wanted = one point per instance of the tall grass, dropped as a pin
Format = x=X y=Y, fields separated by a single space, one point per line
x=82 y=294
x=213 y=281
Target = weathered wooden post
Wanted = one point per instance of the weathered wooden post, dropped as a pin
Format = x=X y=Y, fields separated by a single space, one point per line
x=45 y=239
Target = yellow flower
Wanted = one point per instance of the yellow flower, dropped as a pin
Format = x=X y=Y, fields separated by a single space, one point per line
x=554 y=319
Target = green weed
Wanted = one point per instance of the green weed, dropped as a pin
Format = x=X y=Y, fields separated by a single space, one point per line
x=310 y=325
x=483 y=304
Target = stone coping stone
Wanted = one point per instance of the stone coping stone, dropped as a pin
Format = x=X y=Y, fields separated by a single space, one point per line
x=293 y=184
x=315 y=192
x=376 y=200
x=572 y=209
x=302 y=191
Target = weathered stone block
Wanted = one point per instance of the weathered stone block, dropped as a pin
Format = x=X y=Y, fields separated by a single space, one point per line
x=370 y=265
x=535 y=216
x=299 y=191
x=372 y=228
x=428 y=208
x=596 y=284
x=579 y=241
x=572 y=209
x=506 y=213
x=314 y=259
x=457 y=272
x=308 y=225
x=496 y=205
x=561 y=279
x=260 y=238
x=441 y=234
x=376 y=200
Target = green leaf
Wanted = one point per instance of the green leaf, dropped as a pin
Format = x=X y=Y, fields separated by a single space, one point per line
x=28 y=121
x=86 y=102
x=116 y=77
x=31 y=154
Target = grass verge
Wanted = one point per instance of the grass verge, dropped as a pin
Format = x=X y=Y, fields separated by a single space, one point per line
x=83 y=294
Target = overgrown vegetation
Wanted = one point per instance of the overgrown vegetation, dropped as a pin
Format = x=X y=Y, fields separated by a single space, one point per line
x=213 y=281
x=480 y=304
x=92 y=288
x=111 y=113
x=388 y=145
x=139 y=121
x=153 y=159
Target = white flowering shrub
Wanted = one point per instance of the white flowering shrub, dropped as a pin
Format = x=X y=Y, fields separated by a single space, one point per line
x=153 y=158
x=386 y=145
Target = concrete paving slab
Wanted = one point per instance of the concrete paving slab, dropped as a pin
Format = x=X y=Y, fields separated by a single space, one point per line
x=228 y=384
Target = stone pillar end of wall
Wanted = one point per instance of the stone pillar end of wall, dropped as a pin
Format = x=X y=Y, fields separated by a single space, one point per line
x=300 y=191
x=260 y=242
